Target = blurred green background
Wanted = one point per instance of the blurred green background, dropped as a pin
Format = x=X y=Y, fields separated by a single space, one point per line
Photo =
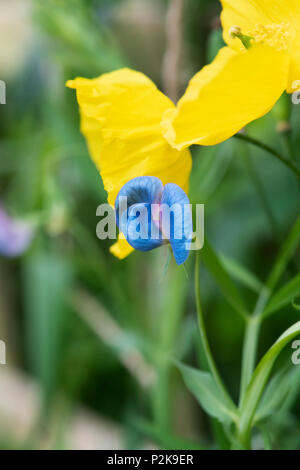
x=89 y=337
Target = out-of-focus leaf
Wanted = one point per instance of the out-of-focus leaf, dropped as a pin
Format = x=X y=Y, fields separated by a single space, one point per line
x=241 y=274
x=288 y=249
x=284 y=296
x=203 y=387
x=78 y=39
x=47 y=279
x=225 y=283
x=265 y=437
x=125 y=345
x=210 y=167
x=166 y=440
x=215 y=42
x=169 y=305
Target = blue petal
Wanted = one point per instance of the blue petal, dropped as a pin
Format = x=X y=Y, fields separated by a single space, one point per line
x=143 y=189
x=139 y=229
x=181 y=223
x=135 y=221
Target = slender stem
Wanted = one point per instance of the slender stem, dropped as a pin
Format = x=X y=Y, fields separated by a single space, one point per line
x=203 y=336
x=249 y=361
x=286 y=138
x=244 y=438
x=288 y=163
x=265 y=203
x=249 y=353
x=254 y=322
x=251 y=341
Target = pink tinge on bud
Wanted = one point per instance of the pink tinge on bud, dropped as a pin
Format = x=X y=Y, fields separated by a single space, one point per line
x=156 y=214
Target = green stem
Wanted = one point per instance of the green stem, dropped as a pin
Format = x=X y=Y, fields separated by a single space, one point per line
x=203 y=336
x=288 y=163
x=244 y=438
x=248 y=362
x=249 y=353
x=286 y=138
x=169 y=303
x=251 y=341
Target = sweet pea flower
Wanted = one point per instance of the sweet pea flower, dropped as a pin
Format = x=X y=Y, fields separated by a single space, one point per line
x=154 y=214
x=121 y=114
x=260 y=62
x=15 y=235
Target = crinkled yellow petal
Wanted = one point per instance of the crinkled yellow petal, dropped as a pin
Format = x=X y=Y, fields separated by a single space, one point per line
x=121 y=114
x=223 y=97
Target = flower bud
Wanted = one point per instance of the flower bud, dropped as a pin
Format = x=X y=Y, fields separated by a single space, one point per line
x=235 y=31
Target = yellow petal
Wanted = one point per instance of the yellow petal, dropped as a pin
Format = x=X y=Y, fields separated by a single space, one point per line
x=121 y=248
x=222 y=98
x=294 y=77
x=121 y=114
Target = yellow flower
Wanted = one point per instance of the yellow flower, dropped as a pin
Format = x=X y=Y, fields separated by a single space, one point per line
x=121 y=115
x=241 y=84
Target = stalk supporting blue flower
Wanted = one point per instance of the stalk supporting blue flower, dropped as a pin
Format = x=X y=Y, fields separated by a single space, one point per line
x=150 y=215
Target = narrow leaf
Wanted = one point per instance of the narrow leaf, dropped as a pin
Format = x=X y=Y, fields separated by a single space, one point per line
x=166 y=440
x=241 y=274
x=205 y=390
x=274 y=395
x=225 y=283
x=287 y=251
x=287 y=294
x=47 y=279
x=261 y=375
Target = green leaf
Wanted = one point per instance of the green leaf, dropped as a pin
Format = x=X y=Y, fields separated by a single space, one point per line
x=287 y=251
x=225 y=283
x=284 y=296
x=215 y=43
x=168 y=303
x=47 y=279
x=274 y=395
x=166 y=440
x=202 y=385
x=266 y=437
x=260 y=377
x=208 y=171
x=241 y=274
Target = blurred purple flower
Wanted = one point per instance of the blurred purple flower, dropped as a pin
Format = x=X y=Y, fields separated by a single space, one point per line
x=15 y=235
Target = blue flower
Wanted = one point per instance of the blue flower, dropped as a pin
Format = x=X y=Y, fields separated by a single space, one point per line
x=15 y=235
x=150 y=215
